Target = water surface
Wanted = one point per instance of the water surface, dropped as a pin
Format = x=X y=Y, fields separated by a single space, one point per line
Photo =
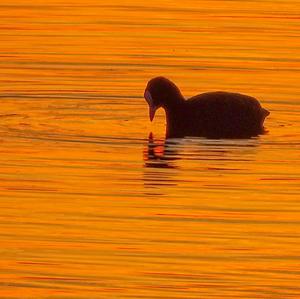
x=91 y=206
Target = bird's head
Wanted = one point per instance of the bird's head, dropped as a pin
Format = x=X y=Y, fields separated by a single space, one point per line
x=161 y=92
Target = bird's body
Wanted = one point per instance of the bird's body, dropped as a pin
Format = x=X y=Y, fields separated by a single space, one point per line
x=216 y=115
x=212 y=114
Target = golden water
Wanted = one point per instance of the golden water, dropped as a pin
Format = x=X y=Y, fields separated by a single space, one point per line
x=91 y=207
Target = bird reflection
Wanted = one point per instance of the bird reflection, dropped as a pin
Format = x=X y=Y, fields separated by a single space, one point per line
x=162 y=168
x=160 y=153
x=159 y=169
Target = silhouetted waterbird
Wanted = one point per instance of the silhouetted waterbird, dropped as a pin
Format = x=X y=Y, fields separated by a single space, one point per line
x=212 y=114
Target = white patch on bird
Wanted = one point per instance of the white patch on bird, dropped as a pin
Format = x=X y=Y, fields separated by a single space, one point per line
x=148 y=98
x=152 y=108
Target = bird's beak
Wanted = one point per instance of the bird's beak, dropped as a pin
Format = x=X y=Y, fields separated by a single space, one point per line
x=152 y=111
x=152 y=107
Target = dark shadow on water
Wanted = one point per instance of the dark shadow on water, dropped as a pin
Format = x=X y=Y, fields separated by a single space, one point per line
x=164 y=153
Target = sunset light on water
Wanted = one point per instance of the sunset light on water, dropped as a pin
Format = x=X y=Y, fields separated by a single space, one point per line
x=95 y=202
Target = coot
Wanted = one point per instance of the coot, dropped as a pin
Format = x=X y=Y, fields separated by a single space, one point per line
x=212 y=114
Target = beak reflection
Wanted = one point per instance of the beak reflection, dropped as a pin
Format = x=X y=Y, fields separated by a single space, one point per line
x=160 y=153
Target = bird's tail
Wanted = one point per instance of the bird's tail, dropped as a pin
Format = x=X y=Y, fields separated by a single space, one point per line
x=265 y=112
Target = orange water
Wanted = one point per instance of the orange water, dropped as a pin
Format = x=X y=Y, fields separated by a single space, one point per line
x=92 y=208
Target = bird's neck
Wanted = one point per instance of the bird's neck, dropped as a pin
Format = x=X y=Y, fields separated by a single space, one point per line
x=174 y=115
